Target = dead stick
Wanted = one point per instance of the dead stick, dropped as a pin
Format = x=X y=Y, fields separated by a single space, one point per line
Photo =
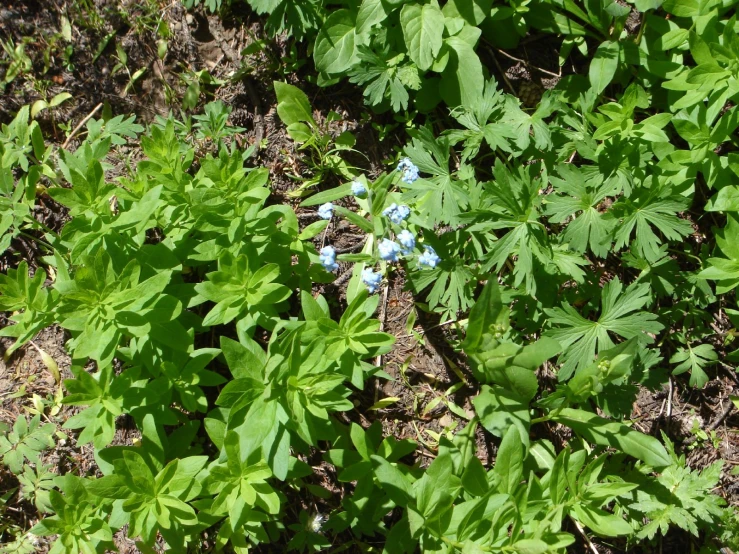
x=378 y=359
x=532 y=66
x=722 y=417
x=585 y=536
x=383 y=309
x=80 y=124
x=502 y=73
x=713 y=426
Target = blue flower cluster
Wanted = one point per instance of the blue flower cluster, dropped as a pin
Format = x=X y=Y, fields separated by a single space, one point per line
x=429 y=257
x=409 y=170
x=358 y=188
x=407 y=241
x=326 y=211
x=397 y=214
x=371 y=279
x=327 y=258
x=388 y=250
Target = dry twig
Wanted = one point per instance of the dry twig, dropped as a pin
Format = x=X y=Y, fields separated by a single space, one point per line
x=590 y=544
x=80 y=124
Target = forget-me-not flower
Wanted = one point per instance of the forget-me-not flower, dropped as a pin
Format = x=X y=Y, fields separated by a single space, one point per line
x=429 y=257
x=396 y=213
x=327 y=258
x=358 y=188
x=371 y=279
x=407 y=241
x=408 y=169
x=389 y=250
x=326 y=211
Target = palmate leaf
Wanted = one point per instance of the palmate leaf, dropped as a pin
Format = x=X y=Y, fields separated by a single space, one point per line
x=452 y=284
x=579 y=195
x=381 y=78
x=694 y=359
x=725 y=270
x=442 y=197
x=524 y=124
x=516 y=207
x=452 y=288
x=648 y=209
x=583 y=338
x=679 y=496
x=482 y=122
x=296 y=17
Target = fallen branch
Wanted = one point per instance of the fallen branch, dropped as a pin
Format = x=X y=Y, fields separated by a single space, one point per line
x=80 y=124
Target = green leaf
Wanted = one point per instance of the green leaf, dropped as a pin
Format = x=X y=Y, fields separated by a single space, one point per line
x=393 y=482
x=645 y=5
x=500 y=410
x=682 y=8
x=694 y=359
x=474 y=478
x=509 y=462
x=355 y=219
x=335 y=50
x=603 y=65
x=647 y=210
x=463 y=79
x=583 y=338
x=474 y=12
x=293 y=105
x=25 y=442
x=603 y=432
x=371 y=12
x=328 y=195
x=727 y=200
x=487 y=311
x=135 y=472
x=423 y=27
x=603 y=523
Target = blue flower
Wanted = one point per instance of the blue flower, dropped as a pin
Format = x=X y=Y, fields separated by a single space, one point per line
x=358 y=188
x=327 y=258
x=407 y=241
x=429 y=257
x=389 y=250
x=400 y=214
x=396 y=213
x=409 y=170
x=326 y=211
x=371 y=279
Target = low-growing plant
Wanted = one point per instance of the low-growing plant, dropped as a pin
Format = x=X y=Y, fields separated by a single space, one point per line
x=224 y=259
x=323 y=150
x=582 y=248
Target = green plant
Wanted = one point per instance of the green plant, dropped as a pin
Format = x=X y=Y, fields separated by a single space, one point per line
x=26 y=442
x=18 y=61
x=324 y=150
x=581 y=247
x=36 y=484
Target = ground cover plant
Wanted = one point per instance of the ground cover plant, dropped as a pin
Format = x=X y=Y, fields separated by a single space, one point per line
x=369 y=276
